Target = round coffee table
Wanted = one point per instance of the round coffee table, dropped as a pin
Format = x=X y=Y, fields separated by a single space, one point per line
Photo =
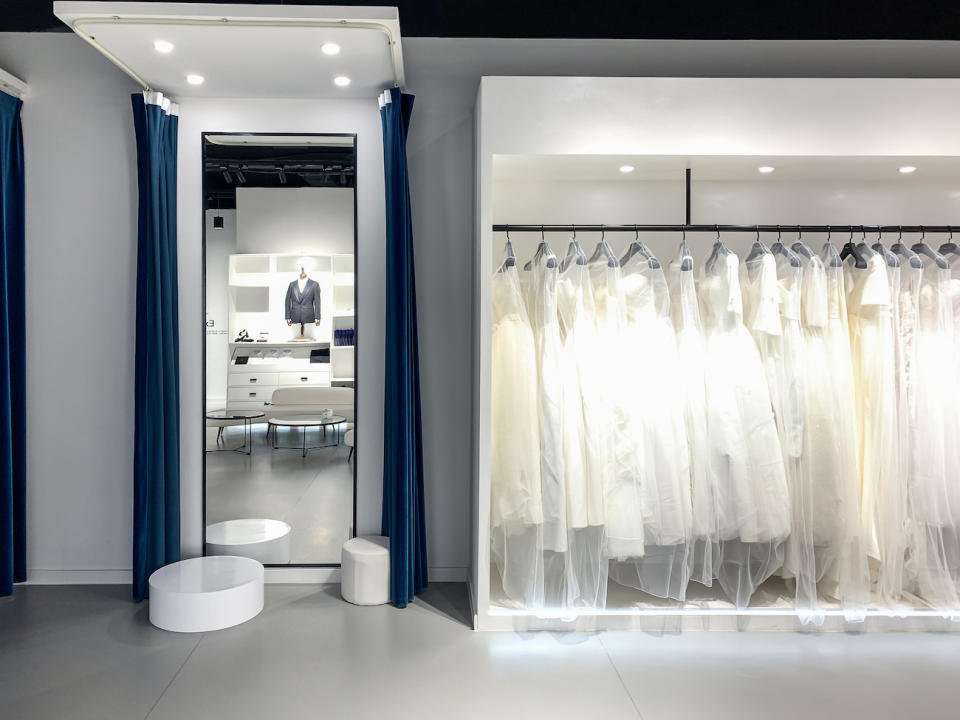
x=248 y=416
x=303 y=422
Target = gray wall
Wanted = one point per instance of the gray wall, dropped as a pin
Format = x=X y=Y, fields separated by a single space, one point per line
x=81 y=219
x=81 y=188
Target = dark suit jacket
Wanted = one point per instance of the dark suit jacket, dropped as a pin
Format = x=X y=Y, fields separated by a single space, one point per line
x=302 y=307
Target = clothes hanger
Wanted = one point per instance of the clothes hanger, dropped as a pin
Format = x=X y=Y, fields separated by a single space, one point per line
x=921 y=248
x=850 y=249
x=903 y=251
x=511 y=259
x=778 y=248
x=603 y=251
x=543 y=250
x=686 y=259
x=638 y=248
x=878 y=247
x=950 y=247
x=719 y=250
x=830 y=253
x=758 y=248
x=865 y=250
x=575 y=253
x=800 y=248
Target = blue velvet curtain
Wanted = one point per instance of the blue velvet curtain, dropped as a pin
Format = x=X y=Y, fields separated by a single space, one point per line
x=13 y=405
x=156 y=495
x=403 y=520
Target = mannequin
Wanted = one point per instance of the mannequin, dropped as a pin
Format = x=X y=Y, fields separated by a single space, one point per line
x=302 y=304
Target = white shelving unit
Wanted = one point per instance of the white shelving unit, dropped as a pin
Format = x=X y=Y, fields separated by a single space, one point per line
x=258 y=286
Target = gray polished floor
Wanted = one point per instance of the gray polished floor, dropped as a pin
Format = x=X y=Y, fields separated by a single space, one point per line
x=88 y=652
x=313 y=494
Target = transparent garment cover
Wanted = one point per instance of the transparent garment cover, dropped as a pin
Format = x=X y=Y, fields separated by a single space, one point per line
x=930 y=437
x=652 y=400
x=691 y=361
x=608 y=416
x=586 y=465
x=745 y=454
x=771 y=292
x=829 y=477
x=516 y=501
x=875 y=356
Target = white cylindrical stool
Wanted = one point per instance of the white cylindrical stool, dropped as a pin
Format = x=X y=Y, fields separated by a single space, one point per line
x=206 y=593
x=365 y=570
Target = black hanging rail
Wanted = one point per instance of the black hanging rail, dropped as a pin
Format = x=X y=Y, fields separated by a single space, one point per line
x=825 y=229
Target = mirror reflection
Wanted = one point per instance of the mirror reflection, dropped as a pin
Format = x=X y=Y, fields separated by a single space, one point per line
x=280 y=311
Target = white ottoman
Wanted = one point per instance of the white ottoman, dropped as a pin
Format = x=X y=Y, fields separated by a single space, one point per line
x=365 y=570
x=206 y=593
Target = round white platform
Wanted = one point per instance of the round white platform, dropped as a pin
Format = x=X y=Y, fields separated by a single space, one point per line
x=267 y=541
x=208 y=593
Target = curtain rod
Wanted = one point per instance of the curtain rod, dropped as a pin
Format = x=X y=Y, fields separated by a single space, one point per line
x=828 y=229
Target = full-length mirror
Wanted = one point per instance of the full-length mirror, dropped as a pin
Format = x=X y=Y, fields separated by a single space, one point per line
x=280 y=346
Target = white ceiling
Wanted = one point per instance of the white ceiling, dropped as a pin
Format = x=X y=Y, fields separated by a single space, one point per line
x=720 y=167
x=268 y=51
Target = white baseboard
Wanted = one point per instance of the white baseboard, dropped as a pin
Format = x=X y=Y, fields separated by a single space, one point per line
x=79 y=577
x=304 y=575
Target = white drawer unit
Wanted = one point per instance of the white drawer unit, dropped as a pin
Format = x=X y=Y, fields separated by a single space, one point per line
x=251 y=379
x=250 y=394
x=307 y=377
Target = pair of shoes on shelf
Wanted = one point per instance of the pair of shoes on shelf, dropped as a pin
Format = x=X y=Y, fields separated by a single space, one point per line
x=244 y=336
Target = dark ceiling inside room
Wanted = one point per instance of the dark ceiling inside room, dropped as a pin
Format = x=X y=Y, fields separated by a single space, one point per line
x=227 y=167
x=694 y=19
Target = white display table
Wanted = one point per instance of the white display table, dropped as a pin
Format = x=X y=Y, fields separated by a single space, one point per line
x=208 y=593
x=261 y=539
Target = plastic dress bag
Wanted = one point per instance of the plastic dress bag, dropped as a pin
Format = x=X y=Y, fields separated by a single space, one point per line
x=516 y=504
x=691 y=361
x=584 y=465
x=829 y=467
x=874 y=356
x=745 y=454
x=933 y=468
x=652 y=391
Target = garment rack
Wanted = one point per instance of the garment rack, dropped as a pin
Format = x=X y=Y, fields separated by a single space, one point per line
x=804 y=229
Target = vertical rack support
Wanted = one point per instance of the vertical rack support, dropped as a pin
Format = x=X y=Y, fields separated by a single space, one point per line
x=687 y=216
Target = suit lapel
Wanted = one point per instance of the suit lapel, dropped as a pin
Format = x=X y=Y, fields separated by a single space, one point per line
x=296 y=290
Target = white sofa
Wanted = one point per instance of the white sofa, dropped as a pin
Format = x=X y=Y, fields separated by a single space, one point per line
x=308 y=400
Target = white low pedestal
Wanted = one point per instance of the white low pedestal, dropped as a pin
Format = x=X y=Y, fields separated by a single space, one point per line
x=208 y=593
x=266 y=541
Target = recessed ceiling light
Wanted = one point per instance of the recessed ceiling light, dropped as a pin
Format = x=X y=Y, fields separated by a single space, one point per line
x=330 y=49
x=627 y=168
x=162 y=46
x=341 y=81
x=907 y=169
x=765 y=169
x=195 y=79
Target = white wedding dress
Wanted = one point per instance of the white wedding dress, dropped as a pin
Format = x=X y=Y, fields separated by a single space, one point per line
x=516 y=502
x=745 y=453
x=651 y=393
x=933 y=557
x=691 y=362
x=873 y=351
x=585 y=468
x=829 y=468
